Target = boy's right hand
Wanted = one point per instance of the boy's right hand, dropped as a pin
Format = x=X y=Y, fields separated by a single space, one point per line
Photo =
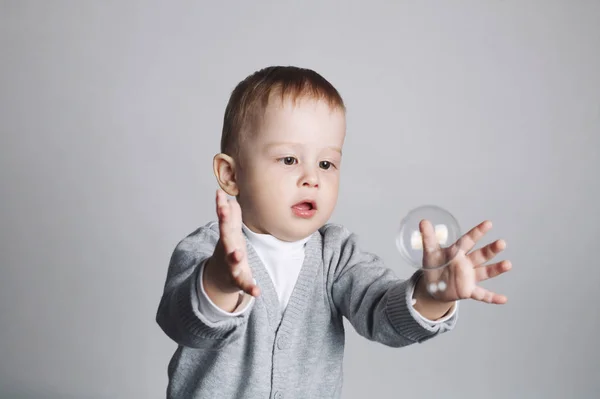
x=227 y=272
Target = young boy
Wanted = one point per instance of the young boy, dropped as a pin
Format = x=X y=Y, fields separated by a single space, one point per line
x=256 y=300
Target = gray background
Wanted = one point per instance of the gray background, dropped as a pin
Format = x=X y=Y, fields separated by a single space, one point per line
x=110 y=113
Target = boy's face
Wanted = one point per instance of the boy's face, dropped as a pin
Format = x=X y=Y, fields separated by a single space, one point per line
x=293 y=160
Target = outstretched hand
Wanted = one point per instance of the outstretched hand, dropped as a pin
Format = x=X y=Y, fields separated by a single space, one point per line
x=229 y=266
x=459 y=278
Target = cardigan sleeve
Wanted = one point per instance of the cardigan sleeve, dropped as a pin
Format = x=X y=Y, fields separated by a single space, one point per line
x=376 y=302
x=178 y=313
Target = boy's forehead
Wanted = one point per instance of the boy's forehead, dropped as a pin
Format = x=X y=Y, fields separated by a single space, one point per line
x=301 y=117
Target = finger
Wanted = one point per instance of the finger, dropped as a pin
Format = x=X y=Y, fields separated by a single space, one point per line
x=247 y=284
x=469 y=239
x=236 y=217
x=432 y=254
x=235 y=235
x=430 y=242
x=490 y=271
x=217 y=196
x=233 y=260
x=251 y=289
x=483 y=295
x=236 y=266
x=227 y=233
x=221 y=200
x=222 y=208
x=487 y=253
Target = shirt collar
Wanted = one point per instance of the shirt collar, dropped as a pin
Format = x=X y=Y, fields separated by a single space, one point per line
x=268 y=243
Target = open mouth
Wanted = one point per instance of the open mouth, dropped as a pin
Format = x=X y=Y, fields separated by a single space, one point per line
x=305 y=205
x=305 y=209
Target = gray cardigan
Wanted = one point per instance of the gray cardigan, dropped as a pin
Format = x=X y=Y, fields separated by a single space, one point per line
x=265 y=354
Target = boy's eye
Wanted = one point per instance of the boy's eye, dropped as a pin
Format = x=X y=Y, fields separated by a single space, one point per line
x=325 y=165
x=289 y=160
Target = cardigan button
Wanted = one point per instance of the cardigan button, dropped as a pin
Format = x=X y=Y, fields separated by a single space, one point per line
x=283 y=342
x=278 y=395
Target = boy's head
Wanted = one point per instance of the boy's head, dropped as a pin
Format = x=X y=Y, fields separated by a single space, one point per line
x=283 y=133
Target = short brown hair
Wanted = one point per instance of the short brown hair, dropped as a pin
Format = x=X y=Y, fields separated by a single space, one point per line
x=251 y=96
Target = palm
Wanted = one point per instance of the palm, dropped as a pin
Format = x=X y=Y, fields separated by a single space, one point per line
x=465 y=269
x=232 y=245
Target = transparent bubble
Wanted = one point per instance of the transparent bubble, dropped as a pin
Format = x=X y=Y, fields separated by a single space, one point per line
x=440 y=237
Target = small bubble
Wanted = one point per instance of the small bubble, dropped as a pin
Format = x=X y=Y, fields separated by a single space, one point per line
x=437 y=248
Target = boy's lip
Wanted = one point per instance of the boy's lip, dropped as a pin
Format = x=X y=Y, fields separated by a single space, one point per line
x=312 y=203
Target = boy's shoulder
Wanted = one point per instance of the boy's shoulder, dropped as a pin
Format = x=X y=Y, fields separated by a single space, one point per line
x=335 y=231
x=337 y=237
x=331 y=227
x=207 y=228
x=209 y=232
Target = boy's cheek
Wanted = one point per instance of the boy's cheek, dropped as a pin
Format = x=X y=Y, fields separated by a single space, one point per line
x=333 y=180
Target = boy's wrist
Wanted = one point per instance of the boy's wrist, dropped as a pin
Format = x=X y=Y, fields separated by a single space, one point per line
x=224 y=295
x=426 y=304
x=216 y=278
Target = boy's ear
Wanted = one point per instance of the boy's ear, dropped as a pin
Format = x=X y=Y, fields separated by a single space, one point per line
x=224 y=168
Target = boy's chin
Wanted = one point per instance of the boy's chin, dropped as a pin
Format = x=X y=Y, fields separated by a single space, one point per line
x=297 y=230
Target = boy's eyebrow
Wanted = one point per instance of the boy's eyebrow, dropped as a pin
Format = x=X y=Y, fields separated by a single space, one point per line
x=278 y=144
x=337 y=149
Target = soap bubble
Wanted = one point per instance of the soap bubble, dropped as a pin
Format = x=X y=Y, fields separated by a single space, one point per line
x=444 y=227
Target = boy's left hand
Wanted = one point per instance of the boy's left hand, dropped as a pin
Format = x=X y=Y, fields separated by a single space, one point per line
x=465 y=270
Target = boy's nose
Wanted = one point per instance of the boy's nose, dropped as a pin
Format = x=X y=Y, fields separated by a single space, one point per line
x=310 y=179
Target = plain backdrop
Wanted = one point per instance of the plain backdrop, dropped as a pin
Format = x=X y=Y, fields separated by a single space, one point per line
x=111 y=112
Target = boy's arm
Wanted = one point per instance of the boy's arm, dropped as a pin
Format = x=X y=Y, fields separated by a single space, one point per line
x=179 y=313
x=376 y=302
